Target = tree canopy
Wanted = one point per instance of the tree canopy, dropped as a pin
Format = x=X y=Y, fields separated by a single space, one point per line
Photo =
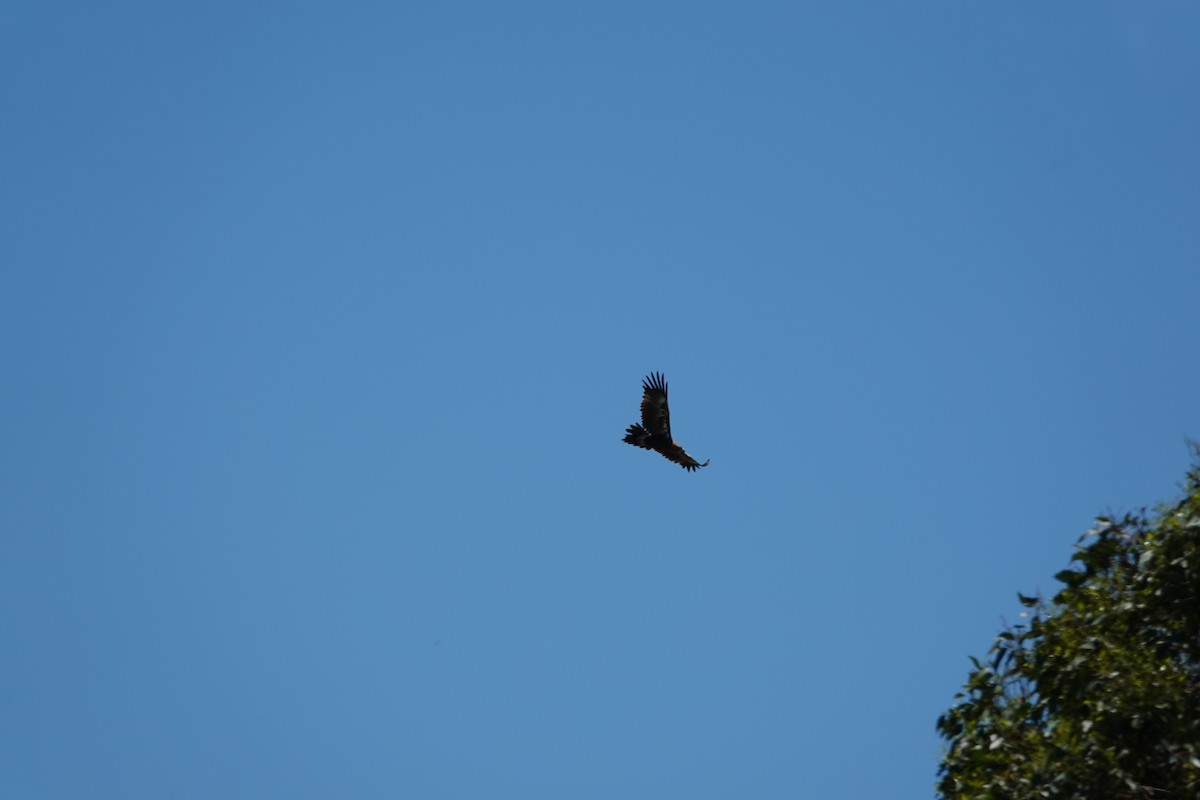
x=1097 y=693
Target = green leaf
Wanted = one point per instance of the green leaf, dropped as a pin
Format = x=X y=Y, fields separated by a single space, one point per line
x=1070 y=577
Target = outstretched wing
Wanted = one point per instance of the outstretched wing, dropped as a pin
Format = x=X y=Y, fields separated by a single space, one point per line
x=656 y=417
x=673 y=452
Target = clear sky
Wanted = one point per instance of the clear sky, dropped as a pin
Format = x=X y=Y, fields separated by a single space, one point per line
x=320 y=324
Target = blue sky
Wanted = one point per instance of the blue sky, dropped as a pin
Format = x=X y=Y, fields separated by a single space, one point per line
x=320 y=325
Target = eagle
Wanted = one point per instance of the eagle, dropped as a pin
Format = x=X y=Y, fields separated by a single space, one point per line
x=655 y=431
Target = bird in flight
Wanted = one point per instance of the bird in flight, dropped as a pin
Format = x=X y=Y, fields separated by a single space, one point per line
x=655 y=431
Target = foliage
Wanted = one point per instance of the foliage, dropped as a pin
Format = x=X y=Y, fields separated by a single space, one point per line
x=1098 y=696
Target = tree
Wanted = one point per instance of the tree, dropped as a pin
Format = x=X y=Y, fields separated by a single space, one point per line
x=1098 y=694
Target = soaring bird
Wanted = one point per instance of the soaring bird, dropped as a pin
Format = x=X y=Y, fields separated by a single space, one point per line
x=655 y=431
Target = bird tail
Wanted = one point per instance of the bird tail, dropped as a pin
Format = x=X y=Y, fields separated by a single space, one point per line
x=637 y=435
